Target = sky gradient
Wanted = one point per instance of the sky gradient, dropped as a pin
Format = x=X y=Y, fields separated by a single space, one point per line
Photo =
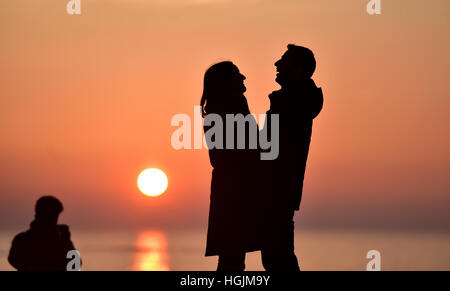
x=86 y=103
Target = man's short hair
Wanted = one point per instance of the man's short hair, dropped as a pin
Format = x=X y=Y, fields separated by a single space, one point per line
x=304 y=57
x=48 y=205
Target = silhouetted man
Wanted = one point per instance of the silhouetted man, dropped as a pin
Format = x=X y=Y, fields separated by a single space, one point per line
x=298 y=102
x=45 y=245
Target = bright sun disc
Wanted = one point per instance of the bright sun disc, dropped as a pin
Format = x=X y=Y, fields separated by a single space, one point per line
x=152 y=182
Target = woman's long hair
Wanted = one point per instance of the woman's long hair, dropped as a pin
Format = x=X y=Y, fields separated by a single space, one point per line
x=218 y=95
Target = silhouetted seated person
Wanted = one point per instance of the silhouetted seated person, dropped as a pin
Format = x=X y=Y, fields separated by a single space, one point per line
x=45 y=245
x=298 y=102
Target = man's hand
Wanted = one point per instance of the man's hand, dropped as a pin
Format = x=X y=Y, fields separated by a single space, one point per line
x=275 y=99
x=63 y=231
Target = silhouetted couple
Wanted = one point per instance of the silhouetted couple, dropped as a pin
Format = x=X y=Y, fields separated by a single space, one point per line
x=253 y=201
x=45 y=245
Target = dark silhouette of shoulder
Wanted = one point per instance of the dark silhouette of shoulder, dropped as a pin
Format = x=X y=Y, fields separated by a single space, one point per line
x=41 y=249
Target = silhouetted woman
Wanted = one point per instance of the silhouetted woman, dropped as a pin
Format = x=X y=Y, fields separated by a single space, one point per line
x=233 y=212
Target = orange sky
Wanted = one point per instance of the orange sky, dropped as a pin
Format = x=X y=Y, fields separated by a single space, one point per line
x=86 y=103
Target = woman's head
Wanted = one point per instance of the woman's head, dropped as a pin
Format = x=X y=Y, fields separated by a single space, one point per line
x=223 y=88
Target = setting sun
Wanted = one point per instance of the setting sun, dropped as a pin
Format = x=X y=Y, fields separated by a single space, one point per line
x=152 y=182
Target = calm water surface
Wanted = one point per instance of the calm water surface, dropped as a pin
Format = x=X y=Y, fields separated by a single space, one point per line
x=317 y=250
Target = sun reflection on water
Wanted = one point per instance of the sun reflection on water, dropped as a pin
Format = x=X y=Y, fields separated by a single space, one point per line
x=152 y=252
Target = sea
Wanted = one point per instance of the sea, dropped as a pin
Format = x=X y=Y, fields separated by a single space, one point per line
x=183 y=250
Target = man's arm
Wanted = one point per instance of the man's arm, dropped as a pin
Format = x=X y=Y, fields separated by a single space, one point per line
x=67 y=241
x=16 y=256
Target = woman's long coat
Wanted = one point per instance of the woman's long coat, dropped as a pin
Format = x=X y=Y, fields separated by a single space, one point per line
x=235 y=208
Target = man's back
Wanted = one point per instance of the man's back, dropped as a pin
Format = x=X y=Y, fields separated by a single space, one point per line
x=297 y=107
x=41 y=248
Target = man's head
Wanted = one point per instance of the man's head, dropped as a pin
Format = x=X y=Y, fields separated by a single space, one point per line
x=48 y=209
x=296 y=64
